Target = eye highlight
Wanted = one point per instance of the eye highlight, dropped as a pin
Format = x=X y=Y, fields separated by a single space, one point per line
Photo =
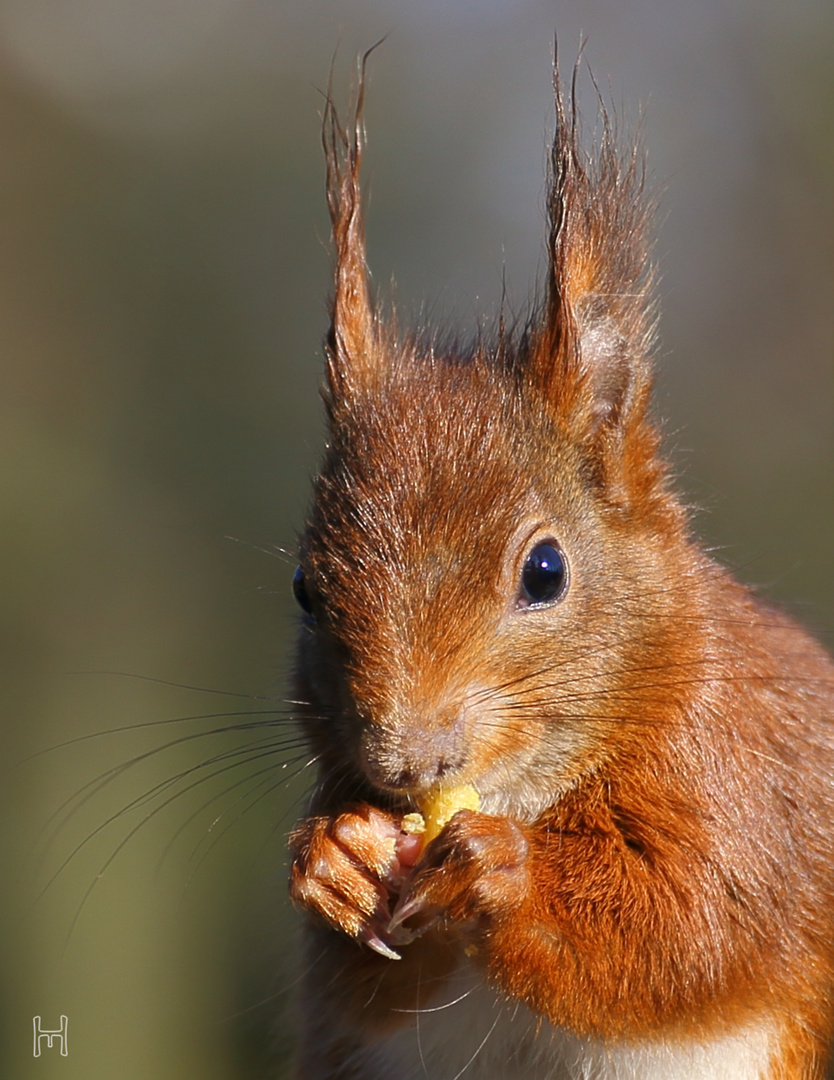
x=299 y=591
x=544 y=577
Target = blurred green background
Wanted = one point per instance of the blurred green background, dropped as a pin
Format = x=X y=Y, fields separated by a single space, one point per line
x=163 y=270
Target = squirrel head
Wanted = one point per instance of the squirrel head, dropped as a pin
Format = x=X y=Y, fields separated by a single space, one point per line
x=487 y=518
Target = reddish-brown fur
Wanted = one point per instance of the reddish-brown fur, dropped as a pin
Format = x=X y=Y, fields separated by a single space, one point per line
x=654 y=751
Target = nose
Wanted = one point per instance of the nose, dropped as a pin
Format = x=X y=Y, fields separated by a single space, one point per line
x=412 y=753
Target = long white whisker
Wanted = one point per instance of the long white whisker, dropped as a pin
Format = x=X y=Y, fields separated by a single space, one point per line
x=439 y=1008
x=479 y=1047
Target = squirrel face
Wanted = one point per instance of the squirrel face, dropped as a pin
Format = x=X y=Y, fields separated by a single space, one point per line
x=438 y=566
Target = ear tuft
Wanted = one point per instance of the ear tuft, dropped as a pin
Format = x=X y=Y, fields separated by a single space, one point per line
x=351 y=341
x=589 y=352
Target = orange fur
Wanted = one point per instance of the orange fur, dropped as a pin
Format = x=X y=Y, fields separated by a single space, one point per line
x=653 y=751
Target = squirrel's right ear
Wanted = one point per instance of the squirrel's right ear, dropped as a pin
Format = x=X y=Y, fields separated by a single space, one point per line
x=588 y=356
x=352 y=343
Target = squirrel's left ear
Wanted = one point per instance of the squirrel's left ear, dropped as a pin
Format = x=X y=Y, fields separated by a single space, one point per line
x=352 y=345
x=589 y=353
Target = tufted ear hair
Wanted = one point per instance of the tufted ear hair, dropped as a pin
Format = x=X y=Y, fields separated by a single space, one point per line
x=588 y=353
x=351 y=346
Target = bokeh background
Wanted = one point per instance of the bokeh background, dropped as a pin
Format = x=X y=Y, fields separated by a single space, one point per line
x=163 y=270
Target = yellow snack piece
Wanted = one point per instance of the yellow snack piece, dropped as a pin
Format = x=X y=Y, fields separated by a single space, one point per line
x=442 y=804
x=413 y=824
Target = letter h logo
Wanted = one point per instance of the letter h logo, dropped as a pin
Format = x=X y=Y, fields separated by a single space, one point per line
x=61 y=1034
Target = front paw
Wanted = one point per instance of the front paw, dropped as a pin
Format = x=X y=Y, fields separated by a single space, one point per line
x=475 y=870
x=346 y=869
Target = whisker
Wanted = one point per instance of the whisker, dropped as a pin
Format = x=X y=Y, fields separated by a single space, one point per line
x=479 y=1047
x=269 y=785
x=145 y=724
x=126 y=839
x=269 y=771
x=273 y=551
x=73 y=803
x=176 y=685
x=250 y=753
x=153 y=793
x=439 y=1008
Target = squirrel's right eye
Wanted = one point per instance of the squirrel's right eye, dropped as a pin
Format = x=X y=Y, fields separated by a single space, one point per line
x=299 y=591
x=544 y=577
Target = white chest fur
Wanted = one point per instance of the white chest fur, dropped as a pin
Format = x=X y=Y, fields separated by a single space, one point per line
x=473 y=1035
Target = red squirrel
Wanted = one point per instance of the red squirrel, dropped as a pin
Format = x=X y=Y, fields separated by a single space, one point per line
x=502 y=594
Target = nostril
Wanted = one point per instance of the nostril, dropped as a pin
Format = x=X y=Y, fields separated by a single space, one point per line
x=445 y=766
x=405 y=779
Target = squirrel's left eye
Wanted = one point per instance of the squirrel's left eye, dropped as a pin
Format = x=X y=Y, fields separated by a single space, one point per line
x=299 y=591
x=544 y=578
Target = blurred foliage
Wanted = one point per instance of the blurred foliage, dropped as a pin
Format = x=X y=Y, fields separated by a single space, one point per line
x=163 y=271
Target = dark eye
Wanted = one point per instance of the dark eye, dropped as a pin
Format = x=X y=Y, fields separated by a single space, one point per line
x=299 y=591
x=544 y=577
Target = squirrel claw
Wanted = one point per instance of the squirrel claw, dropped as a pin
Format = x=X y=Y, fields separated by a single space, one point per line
x=407 y=908
x=404 y=911
x=374 y=941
